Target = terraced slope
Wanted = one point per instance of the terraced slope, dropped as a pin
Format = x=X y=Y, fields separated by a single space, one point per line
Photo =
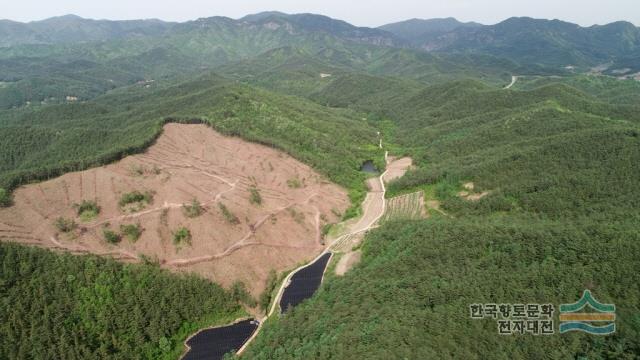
x=249 y=219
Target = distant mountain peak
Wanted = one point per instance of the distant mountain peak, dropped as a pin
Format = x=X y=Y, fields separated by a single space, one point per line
x=262 y=15
x=68 y=17
x=417 y=30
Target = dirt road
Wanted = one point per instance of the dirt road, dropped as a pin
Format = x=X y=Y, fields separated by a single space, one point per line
x=513 y=81
x=372 y=210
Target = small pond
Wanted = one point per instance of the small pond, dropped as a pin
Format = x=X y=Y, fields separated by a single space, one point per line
x=304 y=283
x=369 y=167
x=214 y=343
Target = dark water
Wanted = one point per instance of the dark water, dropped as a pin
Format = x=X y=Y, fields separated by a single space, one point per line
x=304 y=283
x=368 y=167
x=214 y=343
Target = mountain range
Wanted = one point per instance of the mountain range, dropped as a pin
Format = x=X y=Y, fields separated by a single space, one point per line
x=524 y=40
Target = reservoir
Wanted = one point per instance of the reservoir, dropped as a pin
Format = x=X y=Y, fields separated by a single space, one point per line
x=214 y=343
x=304 y=283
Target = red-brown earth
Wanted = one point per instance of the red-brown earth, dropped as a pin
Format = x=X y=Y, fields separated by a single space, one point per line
x=189 y=162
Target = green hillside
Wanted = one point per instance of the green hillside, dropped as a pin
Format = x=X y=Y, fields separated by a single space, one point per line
x=61 y=306
x=43 y=142
x=605 y=88
x=417 y=31
x=559 y=167
x=71 y=28
x=99 y=56
x=553 y=43
x=409 y=297
x=71 y=56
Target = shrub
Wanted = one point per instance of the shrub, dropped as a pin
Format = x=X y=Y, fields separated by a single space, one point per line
x=65 y=225
x=137 y=170
x=5 y=198
x=192 y=210
x=298 y=216
x=231 y=218
x=239 y=293
x=111 y=236
x=254 y=196
x=131 y=231
x=325 y=229
x=136 y=197
x=294 y=183
x=182 y=235
x=265 y=297
x=87 y=209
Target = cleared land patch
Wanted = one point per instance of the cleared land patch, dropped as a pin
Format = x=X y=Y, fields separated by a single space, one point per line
x=195 y=201
x=469 y=194
x=348 y=261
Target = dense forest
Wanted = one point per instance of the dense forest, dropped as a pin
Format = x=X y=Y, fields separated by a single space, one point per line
x=409 y=297
x=558 y=166
x=61 y=306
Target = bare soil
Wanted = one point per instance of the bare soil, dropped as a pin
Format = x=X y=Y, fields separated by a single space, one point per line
x=188 y=162
x=470 y=194
x=347 y=261
x=477 y=196
x=397 y=168
x=434 y=205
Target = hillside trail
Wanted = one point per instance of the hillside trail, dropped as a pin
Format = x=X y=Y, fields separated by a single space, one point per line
x=243 y=241
x=372 y=210
x=513 y=81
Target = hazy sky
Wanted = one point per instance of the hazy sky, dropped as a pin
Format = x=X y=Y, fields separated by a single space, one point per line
x=362 y=13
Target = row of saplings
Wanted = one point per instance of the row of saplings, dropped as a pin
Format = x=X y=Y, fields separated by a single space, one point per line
x=135 y=201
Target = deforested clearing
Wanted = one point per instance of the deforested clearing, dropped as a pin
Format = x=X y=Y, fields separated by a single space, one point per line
x=229 y=238
x=396 y=168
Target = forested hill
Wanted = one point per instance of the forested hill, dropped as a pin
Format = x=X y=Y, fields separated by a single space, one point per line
x=550 y=42
x=50 y=60
x=503 y=139
x=71 y=28
x=74 y=29
x=49 y=71
x=62 y=306
x=44 y=142
x=418 y=31
x=555 y=170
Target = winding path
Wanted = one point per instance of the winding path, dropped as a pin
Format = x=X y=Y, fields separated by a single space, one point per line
x=513 y=81
x=373 y=209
